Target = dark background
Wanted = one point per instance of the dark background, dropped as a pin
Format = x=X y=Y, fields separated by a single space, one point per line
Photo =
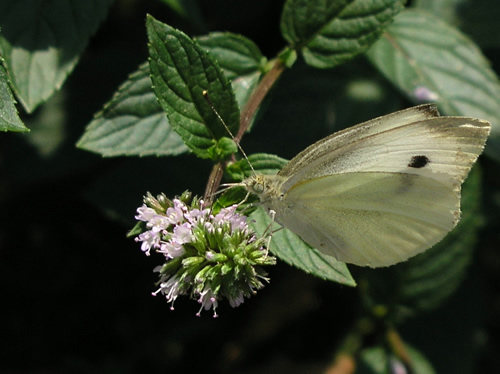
x=75 y=292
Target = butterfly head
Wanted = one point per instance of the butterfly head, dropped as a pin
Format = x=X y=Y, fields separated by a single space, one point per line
x=266 y=187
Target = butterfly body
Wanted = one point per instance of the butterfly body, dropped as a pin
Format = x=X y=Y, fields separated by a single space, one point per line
x=380 y=192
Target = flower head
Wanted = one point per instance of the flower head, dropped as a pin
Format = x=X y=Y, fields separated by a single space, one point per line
x=207 y=256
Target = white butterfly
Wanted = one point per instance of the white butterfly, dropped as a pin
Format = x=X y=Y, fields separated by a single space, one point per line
x=380 y=192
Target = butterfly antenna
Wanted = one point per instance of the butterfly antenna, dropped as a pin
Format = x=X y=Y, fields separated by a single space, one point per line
x=205 y=95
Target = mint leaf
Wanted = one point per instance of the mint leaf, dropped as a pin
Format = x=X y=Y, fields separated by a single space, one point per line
x=132 y=123
x=430 y=60
x=329 y=33
x=240 y=58
x=9 y=118
x=181 y=71
x=41 y=42
x=236 y=55
x=290 y=248
x=302 y=20
x=262 y=163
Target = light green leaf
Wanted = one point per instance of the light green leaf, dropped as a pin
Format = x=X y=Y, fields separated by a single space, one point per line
x=181 y=71
x=236 y=55
x=426 y=281
x=431 y=61
x=476 y=18
x=41 y=42
x=328 y=33
x=290 y=248
x=132 y=123
x=9 y=118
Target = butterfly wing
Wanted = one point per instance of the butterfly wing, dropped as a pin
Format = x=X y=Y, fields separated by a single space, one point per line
x=382 y=191
x=450 y=145
x=336 y=145
x=370 y=218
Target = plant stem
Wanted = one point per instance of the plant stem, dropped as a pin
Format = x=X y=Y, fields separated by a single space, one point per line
x=213 y=183
x=246 y=116
x=256 y=99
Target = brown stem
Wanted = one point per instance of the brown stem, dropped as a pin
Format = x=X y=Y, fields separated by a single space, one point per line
x=246 y=116
x=253 y=104
x=213 y=183
x=398 y=346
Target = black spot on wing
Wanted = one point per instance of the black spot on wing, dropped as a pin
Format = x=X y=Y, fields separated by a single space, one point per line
x=418 y=162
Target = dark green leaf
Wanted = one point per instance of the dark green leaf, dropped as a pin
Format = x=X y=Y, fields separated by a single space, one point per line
x=431 y=61
x=426 y=281
x=240 y=58
x=9 y=118
x=262 y=163
x=41 y=42
x=132 y=123
x=181 y=72
x=302 y=20
x=139 y=228
x=329 y=33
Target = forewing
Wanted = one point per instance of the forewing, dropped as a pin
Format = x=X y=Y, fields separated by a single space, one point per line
x=343 y=139
x=449 y=146
x=370 y=218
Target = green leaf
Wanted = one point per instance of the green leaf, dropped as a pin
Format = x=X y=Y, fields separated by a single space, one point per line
x=223 y=148
x=431 y=61
x=41 y=42
x=239 y=58
x=236 y=55
x=9 y=118
x=376 y=360
x=291 y=249
x=302 y=20
x=329 y=33
x=476 y=18
x=132 y=123
x=181 y=72
x=426 y=281
x=262 y=163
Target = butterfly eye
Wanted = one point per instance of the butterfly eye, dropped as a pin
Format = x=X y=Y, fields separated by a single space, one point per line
x=258 y=187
